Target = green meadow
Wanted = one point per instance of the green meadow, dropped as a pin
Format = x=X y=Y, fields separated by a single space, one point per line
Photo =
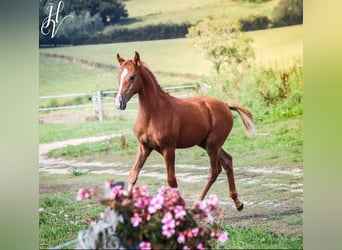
x=177 y=61
x=178 y=11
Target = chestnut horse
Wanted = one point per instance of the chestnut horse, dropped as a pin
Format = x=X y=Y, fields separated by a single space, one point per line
x=165 y=123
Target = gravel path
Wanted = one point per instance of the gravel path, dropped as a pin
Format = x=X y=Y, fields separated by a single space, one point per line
x=64 y=166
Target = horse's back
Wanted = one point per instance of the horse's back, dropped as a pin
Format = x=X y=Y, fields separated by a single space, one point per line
x=203 y=116
x=211 y=108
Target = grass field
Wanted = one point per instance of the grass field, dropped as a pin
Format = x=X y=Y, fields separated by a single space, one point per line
x=178 y=11
x=286 y=44
x=177 y=61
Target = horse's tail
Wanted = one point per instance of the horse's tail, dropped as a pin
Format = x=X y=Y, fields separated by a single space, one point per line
x=246 y=117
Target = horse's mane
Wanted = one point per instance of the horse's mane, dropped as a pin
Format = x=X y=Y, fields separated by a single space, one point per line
x=148 y=73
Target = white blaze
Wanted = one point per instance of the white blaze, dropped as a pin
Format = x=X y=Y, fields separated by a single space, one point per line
x=117 y=99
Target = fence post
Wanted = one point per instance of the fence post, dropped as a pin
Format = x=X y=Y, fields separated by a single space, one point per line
x=99 y=105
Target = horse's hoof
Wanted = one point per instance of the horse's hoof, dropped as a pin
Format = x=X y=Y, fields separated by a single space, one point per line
x=239 y=208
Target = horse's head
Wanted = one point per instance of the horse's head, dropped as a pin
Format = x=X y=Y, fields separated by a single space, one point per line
x=129 y=80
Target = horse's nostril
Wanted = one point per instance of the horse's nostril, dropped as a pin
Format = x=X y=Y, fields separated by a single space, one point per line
x=122 y=105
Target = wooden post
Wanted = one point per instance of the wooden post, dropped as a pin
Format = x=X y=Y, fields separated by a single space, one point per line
x=99 y=105
x=94 y=100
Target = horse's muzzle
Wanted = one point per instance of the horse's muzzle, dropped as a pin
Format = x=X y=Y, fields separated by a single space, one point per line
x=121 y=102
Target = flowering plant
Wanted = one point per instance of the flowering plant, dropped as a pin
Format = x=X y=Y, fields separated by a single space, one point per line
x=159 y=222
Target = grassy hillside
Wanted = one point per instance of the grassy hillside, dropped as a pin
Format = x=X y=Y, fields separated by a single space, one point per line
x=154 y=11
x=174 y=55
x=180 y=57
x=279 y=45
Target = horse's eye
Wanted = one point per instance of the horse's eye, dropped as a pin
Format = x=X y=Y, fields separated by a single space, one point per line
x=131 y=78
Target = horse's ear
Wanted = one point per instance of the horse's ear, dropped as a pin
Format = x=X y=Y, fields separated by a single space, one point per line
x=137 y=59
x=120 y=59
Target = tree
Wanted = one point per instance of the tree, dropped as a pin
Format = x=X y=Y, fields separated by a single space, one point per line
x=288 y=12
x=80 y=26
x=112 y=11
x=223 y=41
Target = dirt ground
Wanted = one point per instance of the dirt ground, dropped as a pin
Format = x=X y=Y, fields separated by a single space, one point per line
x=272 y=195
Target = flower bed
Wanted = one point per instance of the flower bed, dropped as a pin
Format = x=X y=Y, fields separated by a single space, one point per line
x=138 y=220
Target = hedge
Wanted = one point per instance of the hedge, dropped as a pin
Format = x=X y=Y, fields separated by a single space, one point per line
x=149 y=32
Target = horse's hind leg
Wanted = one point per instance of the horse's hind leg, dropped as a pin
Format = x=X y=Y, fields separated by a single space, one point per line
x=226 y=162
x=215 y=170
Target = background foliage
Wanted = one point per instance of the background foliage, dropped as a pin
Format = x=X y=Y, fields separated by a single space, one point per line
x=222 y=41
x=288 y=12
x=119 y=25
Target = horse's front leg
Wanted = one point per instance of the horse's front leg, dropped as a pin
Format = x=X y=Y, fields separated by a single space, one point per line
x=142 y=154
x=169 y=158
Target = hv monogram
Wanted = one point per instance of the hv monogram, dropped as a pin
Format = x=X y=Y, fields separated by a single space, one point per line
x=51 y=23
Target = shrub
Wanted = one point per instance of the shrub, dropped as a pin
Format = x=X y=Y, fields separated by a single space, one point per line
x=253 y=22
x=80 y=27
x=119 y=34
x=137 y=220
x=288 y=12
x=271 y=93
x=275 y=85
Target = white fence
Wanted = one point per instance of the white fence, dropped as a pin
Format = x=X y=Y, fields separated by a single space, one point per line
x=97 y=98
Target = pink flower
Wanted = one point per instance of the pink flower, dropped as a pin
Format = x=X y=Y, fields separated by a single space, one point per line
x=213 y=201
x=102 y=215
x=201 y=205
x=141 y=197
x=156 y=204
x=179 y=212
x=188 y=233
x=115 y=191
x=169 y=225
x=140 y=191
x=85 y=193
x=186 y=248
x=200 y=246
x=145 y=245
x=222 y=237
x=168 y=219
x=171 y=195
x=181 y=238
x=194 y=231
x=136 y=220
x=141 y=201
x=168 y=231
x=213 y=233
x=209 y=218
x=144 y=191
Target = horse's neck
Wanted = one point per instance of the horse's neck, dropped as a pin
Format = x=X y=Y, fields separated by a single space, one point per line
x=151 y=95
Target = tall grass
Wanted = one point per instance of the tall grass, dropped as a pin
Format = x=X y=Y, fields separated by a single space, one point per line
x=272 y=93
